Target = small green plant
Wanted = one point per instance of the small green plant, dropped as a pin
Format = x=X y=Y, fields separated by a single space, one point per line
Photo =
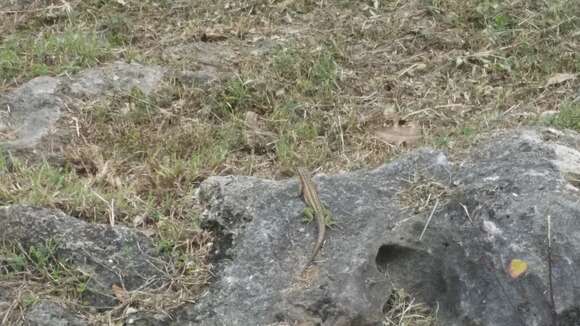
x=42 y=261
x=237 y=95
x=5 y=162
x=324 y=71
x=312 y=74
x=117 y=29
x=467 y=132
x=11 y=261
x=43 y=257
x=165 y=246
x=568 y=118
x=442 y=141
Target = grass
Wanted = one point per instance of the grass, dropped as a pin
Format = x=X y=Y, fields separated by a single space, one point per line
x=457 y=69
x=23 y=56
x=41 y=264
x=402 y=310
x=568 y=117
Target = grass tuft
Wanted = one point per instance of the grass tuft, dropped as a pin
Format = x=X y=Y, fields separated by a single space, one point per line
x=26 y=55
x=568 y=117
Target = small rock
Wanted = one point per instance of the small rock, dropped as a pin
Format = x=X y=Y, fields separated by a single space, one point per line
x=118 y=77
x=34 y=109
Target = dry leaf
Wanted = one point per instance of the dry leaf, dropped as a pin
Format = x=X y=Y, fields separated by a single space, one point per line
x=517 y=267
x=560 y=78
x=396 y=134
x=120 y=293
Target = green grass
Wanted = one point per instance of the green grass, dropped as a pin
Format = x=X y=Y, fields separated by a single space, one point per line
x=48 y=186
x=568 y=117
x=303 y=71
x=28 y=55
x=42 y=264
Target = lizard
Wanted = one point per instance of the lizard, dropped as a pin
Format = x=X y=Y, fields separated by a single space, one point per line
x=315 y=208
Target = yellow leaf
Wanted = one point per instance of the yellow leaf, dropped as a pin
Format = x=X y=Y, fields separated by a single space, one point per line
x=517 y=267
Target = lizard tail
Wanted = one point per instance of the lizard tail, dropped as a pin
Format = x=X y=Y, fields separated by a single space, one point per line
x=317 y=247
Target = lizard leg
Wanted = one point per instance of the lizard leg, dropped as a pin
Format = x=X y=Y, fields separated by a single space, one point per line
x=328 y=220
x=308 y=215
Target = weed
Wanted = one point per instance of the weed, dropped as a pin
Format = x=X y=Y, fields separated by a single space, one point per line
x=116 y=29
x=312 y=73
x=42 y=262
x=237 y=95
x=568 y=117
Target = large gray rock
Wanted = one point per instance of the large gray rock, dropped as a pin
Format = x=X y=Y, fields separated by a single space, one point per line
x=109 y=255
x=494 y=208
x=46 y=313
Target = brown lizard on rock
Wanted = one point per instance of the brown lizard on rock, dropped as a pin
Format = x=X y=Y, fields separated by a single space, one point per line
x=314 y=209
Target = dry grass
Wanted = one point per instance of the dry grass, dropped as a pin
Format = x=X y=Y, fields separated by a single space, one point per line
x=402 y=310
x=454 y=68
x=420 y=193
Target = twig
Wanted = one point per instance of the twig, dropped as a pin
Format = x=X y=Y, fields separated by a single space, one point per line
x=111 y=207
x=466 y=213
x=429 y=219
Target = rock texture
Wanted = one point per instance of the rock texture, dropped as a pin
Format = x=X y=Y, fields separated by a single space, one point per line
x=113 y=78
x=46 y=313
x=496 y=208
x=29 y=114
x=110 y=255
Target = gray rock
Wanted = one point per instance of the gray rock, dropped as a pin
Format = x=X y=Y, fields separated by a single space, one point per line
x=45 y=313
x=30 y=112
x=29 y=115
x=110 y=255
x=496 y=209
x=115 y=78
